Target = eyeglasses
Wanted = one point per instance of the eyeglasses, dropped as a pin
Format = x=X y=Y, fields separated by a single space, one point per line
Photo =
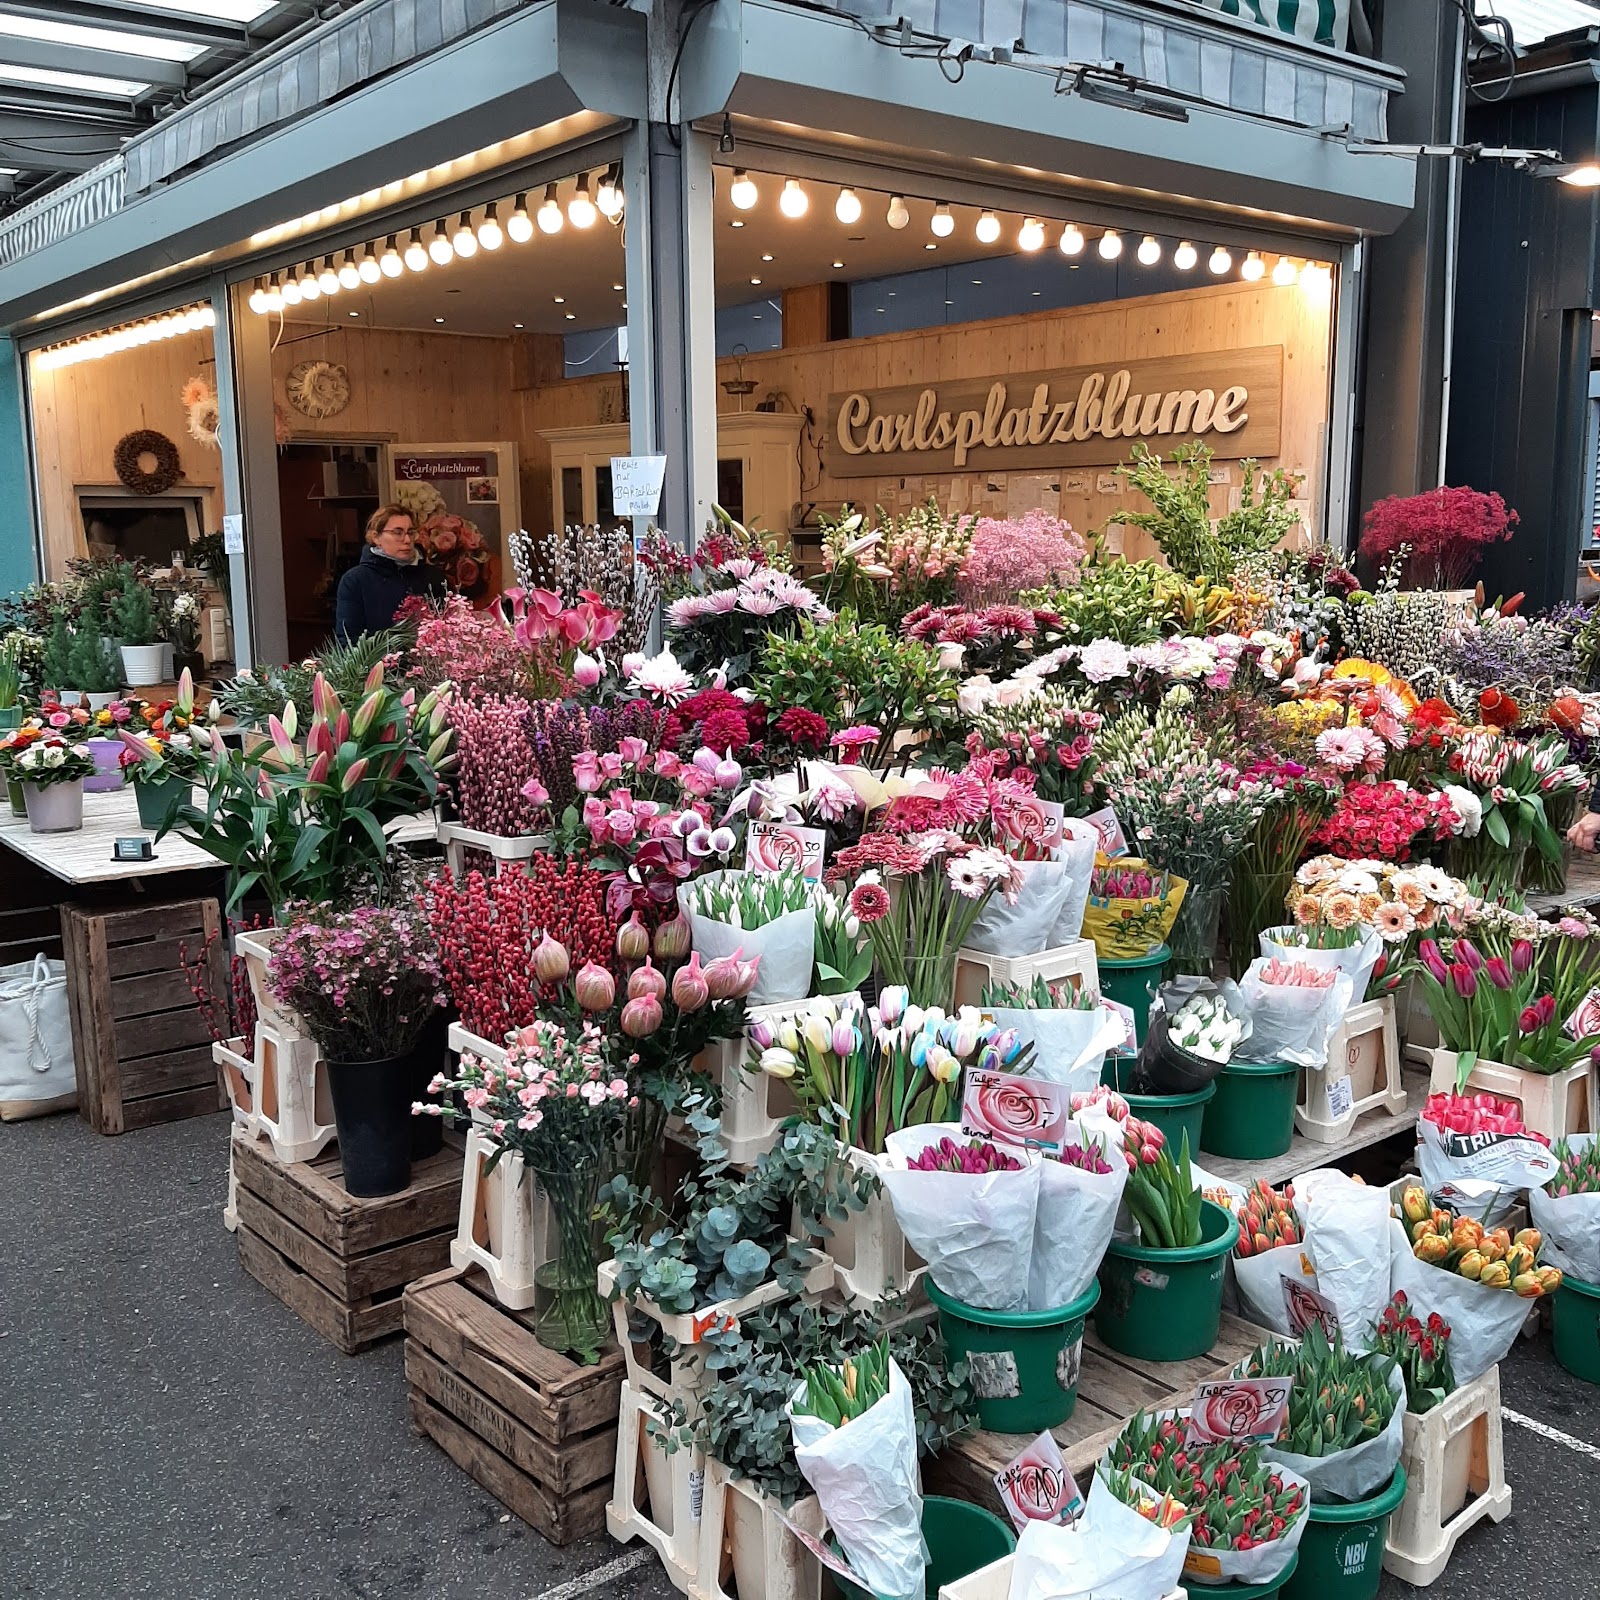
x=400 y=533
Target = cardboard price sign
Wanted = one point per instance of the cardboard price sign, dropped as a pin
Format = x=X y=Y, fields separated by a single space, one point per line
x=774 y=846
x=1113 y=841
x=1239 y=1410
x=1026 y=1111
x=831 y=1559
x=1303 y=1306
x=1035 y=1486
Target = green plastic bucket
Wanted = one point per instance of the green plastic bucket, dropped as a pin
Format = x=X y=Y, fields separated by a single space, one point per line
x=1134 y=982
x=1251 y=1115
x=1166 y=1305
x=1577 y=1328
x=1027 y=1361
x=960 y=1537
x=157 y=801
x=1341 y=1550
x=1174 y=1114
x=1246 y=1591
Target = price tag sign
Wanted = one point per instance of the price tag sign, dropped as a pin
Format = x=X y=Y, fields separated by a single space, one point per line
x=831 y=1559
x=1113 y=841
x=1035 y=1486
x=1341 y=1097
x=1304 y=1306
x=1026 y=1111
x=636 y=485
x=233 y=534
x=773 y=846
x=1129 y=1045
x=1239 y=1410
x=1584 y=1022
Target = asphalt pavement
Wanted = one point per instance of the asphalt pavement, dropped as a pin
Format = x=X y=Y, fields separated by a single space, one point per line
x=170 y=1430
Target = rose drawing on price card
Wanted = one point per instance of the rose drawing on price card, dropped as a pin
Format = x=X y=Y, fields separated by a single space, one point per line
x=1035 y=1485
x=1237 y=1409
x=1000 y=1105
x=1030 y=825
x=779 y=846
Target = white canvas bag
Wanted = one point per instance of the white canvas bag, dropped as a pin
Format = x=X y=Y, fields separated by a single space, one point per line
x=36 y=1070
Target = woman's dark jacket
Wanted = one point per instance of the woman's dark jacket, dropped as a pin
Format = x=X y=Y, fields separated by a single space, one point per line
x=374 y=589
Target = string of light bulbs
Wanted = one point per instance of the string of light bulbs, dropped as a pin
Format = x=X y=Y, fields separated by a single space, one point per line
x=127 y=336
x=443 y=243
x=794 y=203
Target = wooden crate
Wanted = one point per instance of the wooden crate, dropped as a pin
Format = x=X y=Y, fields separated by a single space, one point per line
x=534 y=1428
x=141 y=1046
x=338 y=1261
x=1111 y=1388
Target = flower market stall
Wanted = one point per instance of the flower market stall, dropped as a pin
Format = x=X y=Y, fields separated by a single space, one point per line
x=893 y=1069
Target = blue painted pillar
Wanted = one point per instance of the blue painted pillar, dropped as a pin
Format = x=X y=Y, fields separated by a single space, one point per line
x=18 y=555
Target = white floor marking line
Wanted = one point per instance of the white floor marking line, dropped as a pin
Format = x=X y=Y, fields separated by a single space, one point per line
x=1545 y=1431
x=607 y=1574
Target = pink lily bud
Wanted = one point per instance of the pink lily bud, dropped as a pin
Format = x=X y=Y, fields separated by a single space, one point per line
x=633 y=938
x=551 y=963
x=374 y=677
x=291 y=719
x=722 y=976
x=341 y=728
x=641 y=1017
x=365 y=712
x=690 y=990
x=185 y=702
x=585 y=671
x=281 y=742
x=647 y=980
x=594 y=987
x=353 y=774
x=318 y=772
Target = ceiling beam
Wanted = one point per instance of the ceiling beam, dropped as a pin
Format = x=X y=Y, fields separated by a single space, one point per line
x=53 y=57
x=93 y=107
x=61 y=143
x=131 y=17
x=36 y=158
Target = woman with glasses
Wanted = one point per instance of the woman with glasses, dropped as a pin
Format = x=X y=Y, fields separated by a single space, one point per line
x=389 y=572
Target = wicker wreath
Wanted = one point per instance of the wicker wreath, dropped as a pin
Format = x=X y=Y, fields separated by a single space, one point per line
x=146 y=442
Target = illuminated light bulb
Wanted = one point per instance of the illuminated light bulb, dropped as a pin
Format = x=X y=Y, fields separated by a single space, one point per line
x=390 y=265
x=464 y=241
x=943 y=224
x=1254 y=268
x=1072 y=240
x=368 y=269
x=743 y=192
x=1149 y=250
x=847 y=208
x=793 y=202
x=1110 y=245
x=258 y=299
x=550 y=218
x=439 y=251
x=1312 y=274
x=1030 y=236
x=581 y=212
x=416 y=256
x=199 y=317
x=274 y=296
x=349 y=276
x=1221 y=260
x=988 y=228
x=1283 y=272
x=608 y=197
x=310 y=289
x=210 y=315
x=1185 y=256
x=328 y=279
x=899 y=214
x=520 y=225
x=490 y=234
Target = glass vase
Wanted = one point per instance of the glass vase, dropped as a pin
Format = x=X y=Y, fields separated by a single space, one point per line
x=1490 y=869
x=931 y=980
x=569 y=1314
x=1255 y=901
x=1193 y=939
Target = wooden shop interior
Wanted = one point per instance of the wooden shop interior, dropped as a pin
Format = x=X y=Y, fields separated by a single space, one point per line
x=480 y=363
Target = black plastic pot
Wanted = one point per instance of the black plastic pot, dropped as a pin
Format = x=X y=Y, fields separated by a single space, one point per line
x=429 y=1056
x=1170 y=1069
x=372 y=1111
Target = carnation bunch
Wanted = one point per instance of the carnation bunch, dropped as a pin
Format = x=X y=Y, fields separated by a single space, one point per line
x=1045 y=734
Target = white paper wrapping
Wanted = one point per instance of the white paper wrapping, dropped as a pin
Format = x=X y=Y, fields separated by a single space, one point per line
x=1347 y=1227
x=1023 y=929
x=787 y=947
x=1077 y=1212
x=1069 y=1047
x=1109 y=1553
x=1570 y=1225
x=1288 y=1023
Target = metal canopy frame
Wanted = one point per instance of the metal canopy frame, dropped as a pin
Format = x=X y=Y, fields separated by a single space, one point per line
x=54 y=127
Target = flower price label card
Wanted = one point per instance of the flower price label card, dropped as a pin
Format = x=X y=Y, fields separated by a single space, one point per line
x=1035 y=1486
x=1239 y=1410
x=1113 y=841
x=1026 y=1111
x=832 y=1560
x=773 y=846
x=1302 y=1305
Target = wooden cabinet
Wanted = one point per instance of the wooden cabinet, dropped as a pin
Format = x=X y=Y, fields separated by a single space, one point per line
x=758 y=469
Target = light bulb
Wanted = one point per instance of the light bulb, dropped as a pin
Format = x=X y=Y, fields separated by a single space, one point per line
x=1110 y=245
x=1031 y=234
x=439 y=251
x=1221 y=260
x=258 y=299
x=201 y=317
x=464 y=241
x=328 y=279
x=899 y=216
x=310 y=289
x=490 y=235
x=580 y=208
x=1149 y=250
x=390 y=264
x=988 y=228
x=743 y=192
x=519 y=224
x=349 y=273
x=1072 y=240
x=274 y=296
x=1283 y=272
x=1311 y=273
x=1185 y=256
x=943 y=224
x=550 y=218
x=1254 y=268
x=847 y=208
x=209 y=313
x=369 y=269
x=793 y=202
x=291 y=292
x=416 y=257
x=608 y=197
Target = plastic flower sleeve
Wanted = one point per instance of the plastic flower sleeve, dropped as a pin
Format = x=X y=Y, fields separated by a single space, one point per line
x=1079 y=846
x=1076 y=1216
x=1289 y=1023
x=1570 y=1224
x=1111 y=1550
x=1357 y=959
x=1346 y=1234
x=1069 y=1047
x=787 y=947
x=1023 y=929
x=1360 y=1471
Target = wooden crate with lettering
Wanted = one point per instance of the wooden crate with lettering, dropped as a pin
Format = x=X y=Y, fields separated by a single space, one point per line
x=141 y=1046
x=534 y=1428
x=339 y=1261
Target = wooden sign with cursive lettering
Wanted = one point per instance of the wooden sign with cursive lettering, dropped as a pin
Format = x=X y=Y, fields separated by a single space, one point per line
x=1080 y=416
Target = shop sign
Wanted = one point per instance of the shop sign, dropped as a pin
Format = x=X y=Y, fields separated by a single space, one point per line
x=430 y=469
x=1230 y=400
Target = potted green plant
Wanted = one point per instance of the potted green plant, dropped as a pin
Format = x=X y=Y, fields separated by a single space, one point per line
x=185 y=625
x=133 y=616
x=56 y=663
x=52 y=772
x=92 y=671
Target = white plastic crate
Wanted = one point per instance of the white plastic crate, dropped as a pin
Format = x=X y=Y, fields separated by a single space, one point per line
x=502 y=848
x=465 y=1043
x=975 y=969
x=504 y=1225
x=1365 y=1047
x=871 y=1259
x=1454 y=1458
x=279 y=1091
x=1554 y=1104
x=655 y=1496
x=746 y=1551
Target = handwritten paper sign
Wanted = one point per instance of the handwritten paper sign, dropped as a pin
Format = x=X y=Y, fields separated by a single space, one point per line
x=233 y=534
x=636 y=485
x=831 y=1559
x=1035 y=1486
x=1584 y=1023
x=1113 y=841
x=1303 y=1306
x=1239 y=1410
x=773 y=846
x=1128 y=1045
x=1027 y=1111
